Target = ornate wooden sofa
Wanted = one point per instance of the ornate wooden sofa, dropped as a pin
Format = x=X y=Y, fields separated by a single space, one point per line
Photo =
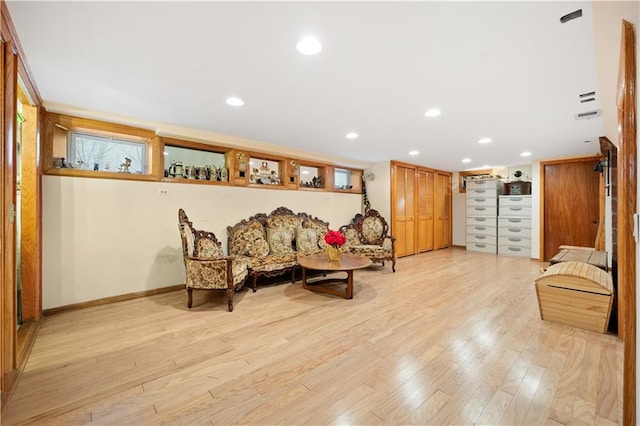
x=206 y=266
x=368 y=235
x=271 y=243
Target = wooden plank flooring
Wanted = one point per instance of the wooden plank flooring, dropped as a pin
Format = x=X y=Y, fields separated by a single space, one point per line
x=453 y=337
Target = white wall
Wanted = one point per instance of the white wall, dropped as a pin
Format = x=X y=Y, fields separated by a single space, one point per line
x=379 y=189
x=103 y=238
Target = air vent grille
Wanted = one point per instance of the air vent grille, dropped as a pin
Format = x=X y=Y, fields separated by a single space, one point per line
x=587 y=114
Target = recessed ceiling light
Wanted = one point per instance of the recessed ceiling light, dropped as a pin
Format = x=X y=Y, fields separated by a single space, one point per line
x=484 y=140
x=413 y=153
x=309 y=46
x=352 y=135
x=525 y=154
x=235 y=101
x=466 y=160
x=432 y=113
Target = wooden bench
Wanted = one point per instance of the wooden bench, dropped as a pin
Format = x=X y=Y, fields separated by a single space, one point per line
x=592 y=257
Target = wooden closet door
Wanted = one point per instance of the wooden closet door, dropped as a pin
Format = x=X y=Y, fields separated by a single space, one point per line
x=403 y=213
x=426 y=194
x=442 y=230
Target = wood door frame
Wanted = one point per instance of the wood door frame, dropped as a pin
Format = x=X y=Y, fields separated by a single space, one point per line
x=627 y=206
x=542 y=187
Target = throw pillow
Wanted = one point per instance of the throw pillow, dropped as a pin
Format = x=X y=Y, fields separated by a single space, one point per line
x=259 y=248
x=306 y=239
x=279 y=241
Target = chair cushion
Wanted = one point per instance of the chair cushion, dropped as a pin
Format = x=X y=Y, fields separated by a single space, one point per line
x=280 y=240
x=370 y=251
x=273 y=261
x=306 y=239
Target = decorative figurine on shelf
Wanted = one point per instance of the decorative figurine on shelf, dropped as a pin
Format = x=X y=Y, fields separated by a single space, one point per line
x=124 y=167
x=175 y=170
x=223 y=174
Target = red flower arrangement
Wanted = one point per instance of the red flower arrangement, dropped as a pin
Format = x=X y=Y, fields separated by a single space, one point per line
x=334 y=238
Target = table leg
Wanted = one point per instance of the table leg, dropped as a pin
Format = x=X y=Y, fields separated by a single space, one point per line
x=304 y=277
x=349 y=290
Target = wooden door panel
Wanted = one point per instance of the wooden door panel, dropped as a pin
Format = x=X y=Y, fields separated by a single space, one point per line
x=442 y=230
x=404 y=209
x=425 y=207
x=571 y=205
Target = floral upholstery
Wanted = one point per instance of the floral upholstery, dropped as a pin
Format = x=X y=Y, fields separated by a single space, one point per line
x=206 y=266
x=280 y=240
x=353 y=238
x=321 y=229
x=259 y=248
x=306 y=240
x=286 y=235
x=286 y=222
x=372 y=229
x=367 y=235
x=246 y=236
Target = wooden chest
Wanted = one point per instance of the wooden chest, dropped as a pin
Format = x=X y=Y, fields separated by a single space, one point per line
x=576 y=294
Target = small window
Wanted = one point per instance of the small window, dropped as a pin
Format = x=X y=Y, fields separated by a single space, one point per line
x=93 y=152
x=342 y=179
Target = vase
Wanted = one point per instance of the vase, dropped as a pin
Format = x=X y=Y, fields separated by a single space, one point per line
x=334 y=253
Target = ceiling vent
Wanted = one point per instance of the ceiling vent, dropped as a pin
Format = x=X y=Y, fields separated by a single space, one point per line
x=571 y=16
x=587 y=97
x=587 y=114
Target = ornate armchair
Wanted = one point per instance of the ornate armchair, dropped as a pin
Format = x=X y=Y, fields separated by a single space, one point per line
x=368 y=236
x=206 y=266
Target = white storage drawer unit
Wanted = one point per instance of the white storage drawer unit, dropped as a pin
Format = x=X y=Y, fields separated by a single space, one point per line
x=514 y=251
x=482 y=212
x=482 y=229
x=523 y=211
x=514 y=225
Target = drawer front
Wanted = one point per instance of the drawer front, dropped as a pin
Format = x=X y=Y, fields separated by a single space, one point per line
x=481 y=238
x=515 y=211
x=507 y=222
x=482 y=211
x=515 y=200
x=484 y=183
x=482 y=229
x=514 y=241
x=482 y=201
x=514 y=251
x=482 y=192
x=483 y=247
x=514 y=231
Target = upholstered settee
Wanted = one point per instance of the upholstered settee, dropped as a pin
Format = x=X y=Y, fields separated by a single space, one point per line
x=270 y=244
x=368 y=235
x=207 y=268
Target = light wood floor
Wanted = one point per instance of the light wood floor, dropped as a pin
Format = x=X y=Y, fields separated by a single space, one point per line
x=451 y=338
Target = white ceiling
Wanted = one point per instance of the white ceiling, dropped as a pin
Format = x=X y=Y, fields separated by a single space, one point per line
x=505 y=70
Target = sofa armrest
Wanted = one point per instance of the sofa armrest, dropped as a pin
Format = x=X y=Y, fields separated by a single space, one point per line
x=209 y=273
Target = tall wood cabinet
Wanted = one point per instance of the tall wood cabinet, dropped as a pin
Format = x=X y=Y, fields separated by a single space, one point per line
x=421 y=208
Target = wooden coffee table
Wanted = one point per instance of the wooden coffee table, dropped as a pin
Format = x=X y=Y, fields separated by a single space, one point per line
x=320 y=262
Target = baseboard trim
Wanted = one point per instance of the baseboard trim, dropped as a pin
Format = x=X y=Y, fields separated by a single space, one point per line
x=112 y=299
